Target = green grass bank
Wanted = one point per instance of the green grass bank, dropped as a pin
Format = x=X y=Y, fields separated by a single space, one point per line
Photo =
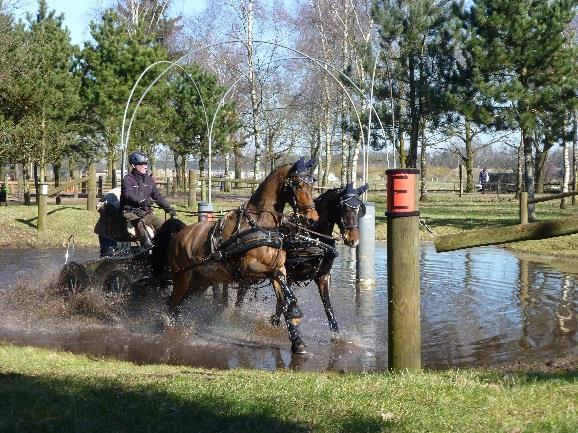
x=49 y=391
x=443 y=213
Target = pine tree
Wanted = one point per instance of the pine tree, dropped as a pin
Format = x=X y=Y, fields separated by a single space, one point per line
x=410 y=32
x=110 y=66
x=523 y=66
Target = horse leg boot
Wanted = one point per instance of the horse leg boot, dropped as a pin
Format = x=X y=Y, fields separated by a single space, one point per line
x=290 y=307
x=323 y=287
x=297 y=344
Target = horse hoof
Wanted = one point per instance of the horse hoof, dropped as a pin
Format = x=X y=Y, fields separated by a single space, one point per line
x=294 y=312
x=275 y=320
x=335 y=337
x=298 y=347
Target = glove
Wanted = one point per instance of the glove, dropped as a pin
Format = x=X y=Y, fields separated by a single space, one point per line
x=139 y=212
x=145 y=203
x=172 y=211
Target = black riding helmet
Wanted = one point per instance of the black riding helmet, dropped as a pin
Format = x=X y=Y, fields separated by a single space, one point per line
x=137 y=158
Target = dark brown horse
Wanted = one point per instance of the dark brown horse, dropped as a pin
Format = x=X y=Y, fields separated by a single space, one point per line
x=310 y=254
x=246 y=245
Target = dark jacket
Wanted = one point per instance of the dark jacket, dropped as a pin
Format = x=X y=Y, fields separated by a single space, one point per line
x=140 y=191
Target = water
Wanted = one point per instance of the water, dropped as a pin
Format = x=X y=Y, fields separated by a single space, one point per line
x=480 y=307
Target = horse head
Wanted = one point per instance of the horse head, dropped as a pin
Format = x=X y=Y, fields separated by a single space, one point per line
x=351 y=208
x=299 y=184
x=290 y=183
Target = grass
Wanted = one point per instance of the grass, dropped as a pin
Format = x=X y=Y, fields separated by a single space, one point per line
x=49 y=391
x=443 y=213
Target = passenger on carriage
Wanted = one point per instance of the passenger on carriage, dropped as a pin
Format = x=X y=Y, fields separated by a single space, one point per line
x=138 y=193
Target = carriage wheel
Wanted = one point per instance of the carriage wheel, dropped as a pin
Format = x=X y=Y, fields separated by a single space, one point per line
x=73 y=278
x=117 y=283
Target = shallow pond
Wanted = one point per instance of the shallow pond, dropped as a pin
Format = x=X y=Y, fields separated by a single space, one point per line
x=480 y=307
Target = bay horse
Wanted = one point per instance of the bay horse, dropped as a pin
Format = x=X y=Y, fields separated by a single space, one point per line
x=311 y=253
x=246 y=244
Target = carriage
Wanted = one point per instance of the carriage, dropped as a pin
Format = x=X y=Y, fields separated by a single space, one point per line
x=124 y=266
x=254 y=242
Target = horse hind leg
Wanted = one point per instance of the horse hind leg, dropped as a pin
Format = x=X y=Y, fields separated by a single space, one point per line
x=241 y=292
x=286 y=297
x=181 y=286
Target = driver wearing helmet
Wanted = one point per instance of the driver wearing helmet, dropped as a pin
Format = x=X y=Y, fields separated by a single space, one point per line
x=138 y=193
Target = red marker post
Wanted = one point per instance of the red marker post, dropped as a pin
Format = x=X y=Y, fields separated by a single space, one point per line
x=403 y=283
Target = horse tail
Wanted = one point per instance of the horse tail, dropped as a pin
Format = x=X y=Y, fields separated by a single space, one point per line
x=160 y=251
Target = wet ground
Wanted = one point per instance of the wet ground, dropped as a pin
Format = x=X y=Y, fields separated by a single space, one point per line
x=480 y=307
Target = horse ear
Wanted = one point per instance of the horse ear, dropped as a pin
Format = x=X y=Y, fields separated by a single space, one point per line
x=362 y=189
x=311 y=164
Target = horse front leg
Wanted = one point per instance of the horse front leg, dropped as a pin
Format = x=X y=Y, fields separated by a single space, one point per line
x=291 y=312
x=181 y=286
x=323 y=287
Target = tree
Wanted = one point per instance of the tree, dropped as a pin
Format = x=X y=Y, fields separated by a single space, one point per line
x=410 y=35
x=109 y=68
x=195 y=97
x=42 y=101
x=523 y=66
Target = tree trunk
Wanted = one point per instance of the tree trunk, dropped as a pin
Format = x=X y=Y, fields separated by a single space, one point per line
x=423 y=166
x=541 y=157
x=575 y=155
x=201 y=174
x=529 y=172
x=414 y=116
x=253 y=88
x=566 y=159
x=26 y=178
x=56 y=172
x=237 y=164
x=470 y=158
x=520 y=177
x=352 y=175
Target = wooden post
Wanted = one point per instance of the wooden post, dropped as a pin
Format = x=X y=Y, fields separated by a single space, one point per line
x=227 y=185
x=403 y=283
x=523 y=207
x=173 y=187
x=99 y=189
x=42 y=201
x=91 y=188
x=192 y=189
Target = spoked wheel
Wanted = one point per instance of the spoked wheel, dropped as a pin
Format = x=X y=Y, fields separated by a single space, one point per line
x=73 y=279
x=117 y=283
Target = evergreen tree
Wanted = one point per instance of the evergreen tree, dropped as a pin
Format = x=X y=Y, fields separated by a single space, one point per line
x=195 y=98
x=523 y=65
x=43 y=100
x=110 y=66
x=410 y=34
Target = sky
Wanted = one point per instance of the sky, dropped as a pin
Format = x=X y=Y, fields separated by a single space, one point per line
x=78 y=13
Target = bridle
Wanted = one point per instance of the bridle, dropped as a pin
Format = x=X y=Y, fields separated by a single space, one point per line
x=351 y=201
x=293 y=182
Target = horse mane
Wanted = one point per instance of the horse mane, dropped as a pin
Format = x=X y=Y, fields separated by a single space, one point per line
x=323 y=206
x=275 y=178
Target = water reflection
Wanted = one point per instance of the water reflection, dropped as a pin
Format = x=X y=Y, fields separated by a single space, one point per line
x=481 y=306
